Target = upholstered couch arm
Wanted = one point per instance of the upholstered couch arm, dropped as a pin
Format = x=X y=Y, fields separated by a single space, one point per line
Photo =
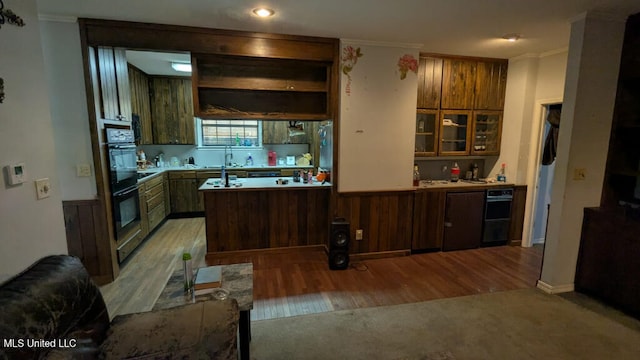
x=203 y=330
x=50 y=300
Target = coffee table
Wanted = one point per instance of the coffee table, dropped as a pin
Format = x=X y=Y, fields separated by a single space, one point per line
x=237 y=279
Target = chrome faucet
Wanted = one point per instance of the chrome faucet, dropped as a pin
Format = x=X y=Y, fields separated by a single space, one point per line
x=228 y=156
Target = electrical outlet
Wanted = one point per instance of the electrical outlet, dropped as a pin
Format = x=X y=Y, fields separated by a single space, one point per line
x=359 y=234
x=83 y=170
x=579 y=173
x=43 y=188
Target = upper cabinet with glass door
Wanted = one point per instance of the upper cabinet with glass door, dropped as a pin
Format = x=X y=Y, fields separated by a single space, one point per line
x=426 y=132
x=454 y=132
x=467 y=97
x=486 y=134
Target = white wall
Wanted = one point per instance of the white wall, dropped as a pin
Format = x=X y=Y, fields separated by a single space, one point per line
x=549 y=88
x=65 y=76
x=521 y=84
x=551 y=75
x=583 y=140
x=29 y=228
x=377 y=121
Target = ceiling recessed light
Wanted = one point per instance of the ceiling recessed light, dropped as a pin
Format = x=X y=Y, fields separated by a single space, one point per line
x=263 y=12
x=511 y=37
x=182 y=67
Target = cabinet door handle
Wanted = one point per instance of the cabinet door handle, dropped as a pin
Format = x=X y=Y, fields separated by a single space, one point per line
x=448 y=224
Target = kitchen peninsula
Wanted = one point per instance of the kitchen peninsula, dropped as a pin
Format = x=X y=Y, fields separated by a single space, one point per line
x=261 y=213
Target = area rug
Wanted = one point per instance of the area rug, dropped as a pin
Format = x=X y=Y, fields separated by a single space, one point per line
x=520 y=324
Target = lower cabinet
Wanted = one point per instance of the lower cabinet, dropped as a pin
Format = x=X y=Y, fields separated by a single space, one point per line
x=183 y=187
x=428 y=212
x=453 y=220
x=463 y=219
x=155 y=198
x=152 y=203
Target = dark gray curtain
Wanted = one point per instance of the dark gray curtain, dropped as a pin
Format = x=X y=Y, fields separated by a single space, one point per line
x=551 y=142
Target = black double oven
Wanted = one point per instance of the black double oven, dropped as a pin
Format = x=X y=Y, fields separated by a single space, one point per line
x=123 y=181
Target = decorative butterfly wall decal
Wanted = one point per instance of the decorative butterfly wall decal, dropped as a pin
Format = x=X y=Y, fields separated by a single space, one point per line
x=9 y=16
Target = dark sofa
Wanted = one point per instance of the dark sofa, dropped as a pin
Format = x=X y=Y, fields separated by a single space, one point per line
x=52 y=310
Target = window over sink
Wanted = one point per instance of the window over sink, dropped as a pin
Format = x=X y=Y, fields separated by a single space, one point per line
x=212 y=133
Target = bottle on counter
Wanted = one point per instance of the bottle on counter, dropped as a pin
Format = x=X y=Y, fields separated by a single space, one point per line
x=249 y=160
x=455 y=172
x=188 y=272
x=474 y=172
x=502 y=176
x=222 y=173
x=416 y=175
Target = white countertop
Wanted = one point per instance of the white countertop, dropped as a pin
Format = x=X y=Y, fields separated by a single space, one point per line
x=152 y=170
x=444 y=184
x=259 y=183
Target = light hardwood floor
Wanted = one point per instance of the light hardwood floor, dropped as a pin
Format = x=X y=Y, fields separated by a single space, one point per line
x=288 y=284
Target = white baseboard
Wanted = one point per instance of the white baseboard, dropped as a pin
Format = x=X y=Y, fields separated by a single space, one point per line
x=538 y=241
x=551 y=289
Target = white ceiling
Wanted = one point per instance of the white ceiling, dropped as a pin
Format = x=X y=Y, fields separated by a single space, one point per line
x=462 y=27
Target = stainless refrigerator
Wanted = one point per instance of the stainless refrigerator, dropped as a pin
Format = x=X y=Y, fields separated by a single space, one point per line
x=326 y=146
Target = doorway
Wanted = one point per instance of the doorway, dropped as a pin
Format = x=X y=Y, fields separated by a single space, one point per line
x=545 y=172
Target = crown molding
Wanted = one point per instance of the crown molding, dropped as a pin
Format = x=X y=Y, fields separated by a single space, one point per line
x=57 y=18
x=382 y=43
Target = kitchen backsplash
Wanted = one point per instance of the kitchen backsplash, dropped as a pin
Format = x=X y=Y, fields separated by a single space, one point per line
x=215 y=157
x=441 y=169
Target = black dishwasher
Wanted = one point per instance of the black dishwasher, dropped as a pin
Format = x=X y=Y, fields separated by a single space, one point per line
x=497 y=217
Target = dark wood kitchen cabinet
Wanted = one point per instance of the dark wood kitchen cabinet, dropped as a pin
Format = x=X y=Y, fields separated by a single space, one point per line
x=427 y=131
x=486 y=133
x=455 y=132
x=140 y=105
x=429 y=82
x=458 y=83
x=111 y=83
x=428 y=220
x=490 y=84
x=183 y=187
x=463 y=218
x=154 y=201
x=468 y=91
x=231 y=87
x=144 y=219
x=172 y=111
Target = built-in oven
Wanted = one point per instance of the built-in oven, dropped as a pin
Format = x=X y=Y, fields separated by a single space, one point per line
x=123 y=166
x=126 y=211
x=125 y=202
x=497 y=216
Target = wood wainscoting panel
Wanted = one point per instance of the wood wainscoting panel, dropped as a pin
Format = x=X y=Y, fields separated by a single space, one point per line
x=88 y=238
x=386 y=219
x=246 y=220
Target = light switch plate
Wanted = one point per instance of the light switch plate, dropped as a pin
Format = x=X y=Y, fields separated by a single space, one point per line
x=43 y=188
x=83 y=170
